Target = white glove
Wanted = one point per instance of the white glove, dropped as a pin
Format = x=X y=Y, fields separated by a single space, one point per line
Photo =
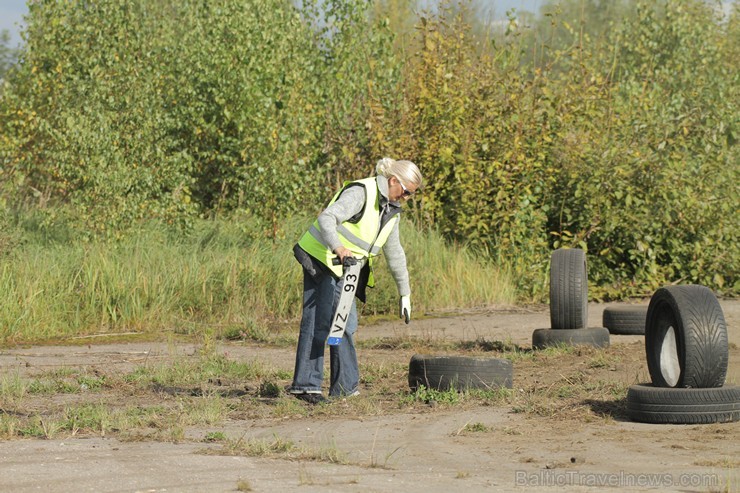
x=404 y=305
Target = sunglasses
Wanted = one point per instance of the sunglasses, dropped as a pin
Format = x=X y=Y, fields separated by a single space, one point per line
x=406 y=191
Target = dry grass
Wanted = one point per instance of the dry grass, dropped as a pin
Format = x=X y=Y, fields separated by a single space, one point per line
x=160 y=400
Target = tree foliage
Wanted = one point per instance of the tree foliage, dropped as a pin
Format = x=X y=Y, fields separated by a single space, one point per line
x=610 y=126
x=8 y=54
x=124 y=110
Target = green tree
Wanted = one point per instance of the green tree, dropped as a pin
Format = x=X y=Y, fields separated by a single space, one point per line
x=8 y=54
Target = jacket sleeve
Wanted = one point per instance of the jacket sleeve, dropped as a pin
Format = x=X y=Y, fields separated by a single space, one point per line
x=396 y=258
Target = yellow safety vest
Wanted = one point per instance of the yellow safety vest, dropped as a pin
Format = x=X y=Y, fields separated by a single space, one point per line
x=363 y=238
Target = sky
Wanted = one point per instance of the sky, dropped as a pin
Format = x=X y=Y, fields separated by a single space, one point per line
x=12 y=12
x=11 y=15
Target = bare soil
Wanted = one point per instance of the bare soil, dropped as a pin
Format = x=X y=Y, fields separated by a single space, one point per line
x=563 y=428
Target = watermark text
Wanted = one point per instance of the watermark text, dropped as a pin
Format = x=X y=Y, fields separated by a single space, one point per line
x=619 y=479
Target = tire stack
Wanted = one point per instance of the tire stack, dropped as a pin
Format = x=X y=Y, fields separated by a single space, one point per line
x=687 y=355
x=569 y=304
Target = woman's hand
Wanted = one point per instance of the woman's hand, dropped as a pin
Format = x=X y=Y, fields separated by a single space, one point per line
x=342 y=252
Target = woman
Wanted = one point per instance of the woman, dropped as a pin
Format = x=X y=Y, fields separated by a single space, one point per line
x=361 y=219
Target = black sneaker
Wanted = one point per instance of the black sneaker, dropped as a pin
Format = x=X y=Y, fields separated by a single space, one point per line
x=312 y=398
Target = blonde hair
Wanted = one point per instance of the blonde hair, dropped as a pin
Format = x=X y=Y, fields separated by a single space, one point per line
x=406 y=171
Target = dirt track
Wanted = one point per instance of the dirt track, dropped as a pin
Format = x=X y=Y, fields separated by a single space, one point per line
x=572 y=446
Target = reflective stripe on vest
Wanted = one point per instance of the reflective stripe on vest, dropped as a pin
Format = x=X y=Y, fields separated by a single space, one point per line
x=362 y=238
x=373 y=250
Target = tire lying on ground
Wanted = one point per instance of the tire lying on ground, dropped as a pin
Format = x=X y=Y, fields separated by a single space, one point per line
x=568 y=289
x=625 y=320
x=649 y=404
x=686 y=338
x=459 y=372
x=592 y=336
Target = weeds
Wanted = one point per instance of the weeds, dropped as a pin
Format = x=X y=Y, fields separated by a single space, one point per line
x=208 y=367
x=432 y=396
x=243 y=485
x=278 y=447
x=269 y=389
x=452 y=396
x=373 y=458
x=258 y=448
x=9 y=426
x=473 y=428
x=69 y=381
x=215 y=436
x=576 y=396
x=482 y=344
x=12 y=388
x=603 y=360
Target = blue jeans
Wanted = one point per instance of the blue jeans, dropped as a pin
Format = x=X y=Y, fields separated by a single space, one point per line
x=320 y=298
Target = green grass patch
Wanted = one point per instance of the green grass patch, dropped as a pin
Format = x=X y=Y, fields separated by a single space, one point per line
x=215 y=436
x=218 y=279
x=450 y=397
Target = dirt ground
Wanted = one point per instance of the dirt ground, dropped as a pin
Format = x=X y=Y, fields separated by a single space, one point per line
x=562 y=444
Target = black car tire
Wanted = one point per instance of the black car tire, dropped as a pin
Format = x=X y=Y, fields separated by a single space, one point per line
x=592 y=336
x=649 y=404
x=568 y=289
x=459 y=372
x=686 y=338
x=625 y=320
